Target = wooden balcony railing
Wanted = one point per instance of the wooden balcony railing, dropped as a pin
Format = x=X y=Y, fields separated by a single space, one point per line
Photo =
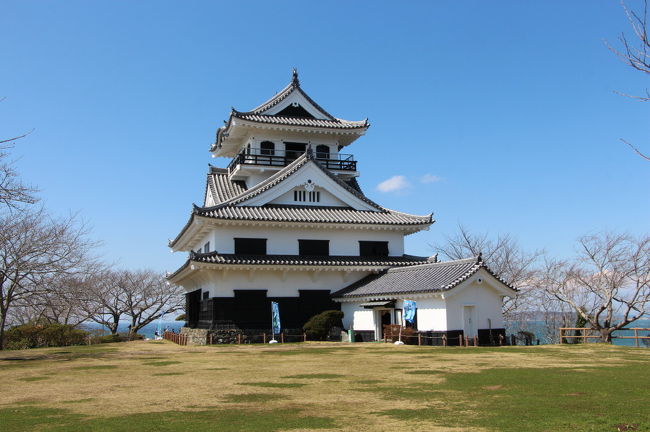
x=281 y=158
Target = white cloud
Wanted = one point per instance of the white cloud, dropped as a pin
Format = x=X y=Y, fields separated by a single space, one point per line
x=429 y=178
x=394 y=184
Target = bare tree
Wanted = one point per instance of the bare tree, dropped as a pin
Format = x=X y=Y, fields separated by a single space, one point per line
x=12 y=191
x=609 y=283
x=148 y=296
x=504 y=256
x=636 y=53
x=34 y=248
x=141 y=297
x=105 y=303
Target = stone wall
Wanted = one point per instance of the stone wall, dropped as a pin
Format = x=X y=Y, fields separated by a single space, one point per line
x=195 y=336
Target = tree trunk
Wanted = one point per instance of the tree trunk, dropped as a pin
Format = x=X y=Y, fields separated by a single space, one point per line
x=2 y=332
x=606 y=335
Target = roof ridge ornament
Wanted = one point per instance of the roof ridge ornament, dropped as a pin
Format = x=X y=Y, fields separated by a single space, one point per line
x=479 y=258
x=433 y=258
x=294 y=78
x=309 y=152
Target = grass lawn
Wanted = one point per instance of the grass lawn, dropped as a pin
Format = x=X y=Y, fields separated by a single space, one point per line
x=145 y=386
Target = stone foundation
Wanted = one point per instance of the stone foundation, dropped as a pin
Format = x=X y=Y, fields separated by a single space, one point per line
x=197 y=336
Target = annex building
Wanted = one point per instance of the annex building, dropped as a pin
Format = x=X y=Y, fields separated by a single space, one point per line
x=287 y=221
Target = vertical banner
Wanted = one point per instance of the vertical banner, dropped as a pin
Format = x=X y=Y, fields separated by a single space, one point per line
x=275 y=318
x=409 y=311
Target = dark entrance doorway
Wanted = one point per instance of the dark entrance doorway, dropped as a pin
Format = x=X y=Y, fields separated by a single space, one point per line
x=294 y=150
x=385 y=320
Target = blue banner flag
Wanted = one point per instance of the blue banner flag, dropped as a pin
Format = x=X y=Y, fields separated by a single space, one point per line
x=409 y=311
x=275 y=318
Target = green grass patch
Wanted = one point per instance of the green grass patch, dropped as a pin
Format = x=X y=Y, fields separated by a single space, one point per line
x=315 y=376
x=161 y=363
x=20 y=419
x=34 y=378
x=96 y=367
x=557 y=399
x=168 y=374
x=424 y=372
x=369 y=381
x=273 y=384
x=253 y=398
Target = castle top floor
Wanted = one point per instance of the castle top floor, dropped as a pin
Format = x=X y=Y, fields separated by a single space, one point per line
x=281 y=129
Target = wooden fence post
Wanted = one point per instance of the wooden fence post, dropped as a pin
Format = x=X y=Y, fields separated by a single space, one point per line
x=238 y=338
x=500 y=339
x=475 y=341
x=636 y=337
x=444 y=340
x=264 y=337
x=281 y=337
x=304 y=336
x=419 y=338
x=584 y=336
x=561 y=336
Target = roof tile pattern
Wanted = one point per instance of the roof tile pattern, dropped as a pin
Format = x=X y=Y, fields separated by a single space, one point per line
x=301 y=121
x=424 y=278
x=311 y=214
x=296 y=260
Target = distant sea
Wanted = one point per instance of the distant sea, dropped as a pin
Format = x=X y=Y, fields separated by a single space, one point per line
x=538 y=328
x=147 y=331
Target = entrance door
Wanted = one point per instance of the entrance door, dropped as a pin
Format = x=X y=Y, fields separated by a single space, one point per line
x=469 y=321
x=385 y=320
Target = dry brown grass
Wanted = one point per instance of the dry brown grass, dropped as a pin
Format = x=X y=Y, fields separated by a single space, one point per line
x=341 y=381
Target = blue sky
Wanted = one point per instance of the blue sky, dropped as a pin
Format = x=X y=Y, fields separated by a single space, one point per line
x=508 y=108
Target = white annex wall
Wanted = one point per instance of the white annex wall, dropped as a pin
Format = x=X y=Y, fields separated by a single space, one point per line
x=284 y=241
x=486 y=300
x=277 y=283
x=357 y=318
x=431 y=314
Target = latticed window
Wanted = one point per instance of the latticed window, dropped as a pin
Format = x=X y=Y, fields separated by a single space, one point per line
x=304 y=196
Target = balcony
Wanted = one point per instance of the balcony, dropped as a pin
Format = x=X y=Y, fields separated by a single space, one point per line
x=280 y=158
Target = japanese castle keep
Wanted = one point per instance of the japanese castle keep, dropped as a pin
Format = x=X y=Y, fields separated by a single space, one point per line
x=287 y=221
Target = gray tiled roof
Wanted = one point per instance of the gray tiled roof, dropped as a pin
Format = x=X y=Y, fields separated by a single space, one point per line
x=313 y=214
x=216 y=258
x=294 y=260
x=301 y=121
x=293 y=86
x=258 y=114
x=222 y=188
x=424 y=278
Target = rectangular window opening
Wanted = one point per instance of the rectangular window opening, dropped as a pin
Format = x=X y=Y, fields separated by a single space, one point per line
x=373 y=248
x=250 y=246
x=313 y=247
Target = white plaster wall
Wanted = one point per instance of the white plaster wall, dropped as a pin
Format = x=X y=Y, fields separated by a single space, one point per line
x=277 y=283
x=431 y=314
x=487 y=301
x=357 y=318
x=285 y=240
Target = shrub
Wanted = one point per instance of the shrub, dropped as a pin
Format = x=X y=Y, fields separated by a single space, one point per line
x=319 y=326
x=44 y=335
x=110 y=338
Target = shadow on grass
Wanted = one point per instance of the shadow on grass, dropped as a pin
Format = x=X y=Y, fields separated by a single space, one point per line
x=253 y=398
x=273 y=384
x=97 y=367
x=315 y=376
x=516 y=399
x=27 y=418
x=161 y=363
